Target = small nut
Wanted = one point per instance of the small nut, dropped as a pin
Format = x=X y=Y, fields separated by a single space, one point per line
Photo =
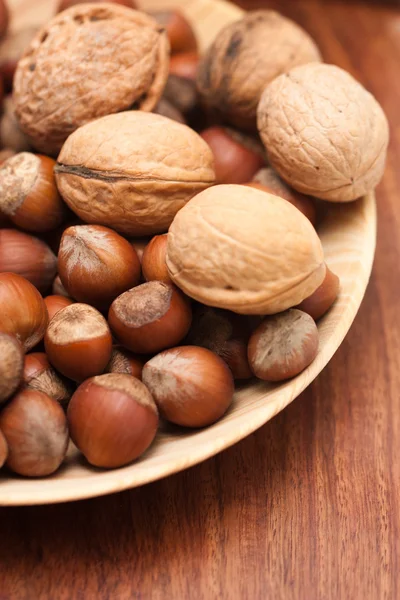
x=150 y=317
x=23 y=312
x=191 y=386
x=28 y=192
x=35 y=428
x=11 y=366
x=283 y=345
x=154 y=264
x=78 y=342
x=245 y=56
x=113 y=419
x=125 y=362
x=40 y=375
x=3 y=450
x=322 y=299
x=133 y=171
x=96 y=264
x=184 y=65
x=88 y=61
x=266 y=256
x=180 y=33
x=11 y=135
x=55 y=303
x=324 y=133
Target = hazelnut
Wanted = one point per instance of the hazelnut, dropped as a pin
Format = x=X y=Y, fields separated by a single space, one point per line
x=283 y=345
x=154 y=266
x=96 y=264
x=234 y=162
x=64 y=4
x=124 y=362
x=11 y=134
x=245 y=56
x=269 y=181
x=28 y=192
x=74 y=71
x=191 y=386
x=225 y=334
x=322 y=299
x=55 y=303
x=27 y=256
x=23 y=312
x=3 y=450
x=58 y=289
x=150 y=317
x=11 y=366
x=40 y=375
x=331 y=137
x=11 y=49
x=184 y=65
x=167 y=109
x=99 y=180
x=113 y=419
x=180 y=33
x=78 y=342
x=35 y=428
x=263 y=260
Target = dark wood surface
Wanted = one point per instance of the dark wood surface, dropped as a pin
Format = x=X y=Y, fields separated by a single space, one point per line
x=307 y=507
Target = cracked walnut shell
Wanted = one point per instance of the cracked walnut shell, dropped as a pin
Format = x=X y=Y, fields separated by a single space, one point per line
x=133 y=171
x=246 y=56
x=88 y=61
x=245 y=250
x=324 y=133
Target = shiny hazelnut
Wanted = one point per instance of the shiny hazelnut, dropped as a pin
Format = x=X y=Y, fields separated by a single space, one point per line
x=125 y=362
x=35 y=428
x=3 y=450
x=184 y=65
x=283 y=345
x=39 y=375
x=150 y=317
x=78 y=342
x=11 y=135
x=27 y=256
x=113 y=419
x=180 y=33
x=234 y=162
x=23 y=311
x=28 y=192
x=96 y=264
x=55 y=303
x=11 y=365
x=58 y=289
x=11 y=49
x=322 y=299
x=190 y=385
x=153 y=261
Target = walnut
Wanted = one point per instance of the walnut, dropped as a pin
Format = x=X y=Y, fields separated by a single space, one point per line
x=90 y=60
x=245 y=57
x=133 y=171
x=324 y=133
x=242 y=249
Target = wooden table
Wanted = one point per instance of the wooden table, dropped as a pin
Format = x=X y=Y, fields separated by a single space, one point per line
x=307 y=507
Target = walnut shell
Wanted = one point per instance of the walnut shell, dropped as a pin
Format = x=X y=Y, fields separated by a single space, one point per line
x=238 y=248
x=88 y=61
x=133 y=171
x=245 y=57
x=324 y=133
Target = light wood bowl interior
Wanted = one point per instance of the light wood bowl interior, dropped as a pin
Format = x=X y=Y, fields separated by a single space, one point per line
x=348 y=235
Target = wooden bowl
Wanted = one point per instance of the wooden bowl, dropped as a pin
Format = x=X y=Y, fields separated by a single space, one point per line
x=348 y=235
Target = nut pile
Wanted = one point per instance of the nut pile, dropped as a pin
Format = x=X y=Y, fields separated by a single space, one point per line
x=159 y=221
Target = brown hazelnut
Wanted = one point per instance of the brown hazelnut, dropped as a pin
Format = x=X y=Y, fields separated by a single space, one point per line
x=125 y=362
x=154 y=266
x=3 y=450
x=64 y=4
x=74 y=71
x=58 y=289
x=11 y=365
x=234 y=162
x=78 y=342
x=113 y=419
x=180 y=33
x=11 y=135
x=167 y=109
x=245 y=56
x=11 y=49
x=39 y=375
x=184 y=65
x=322 y=299
x=55 y=303
x=35 y=428
x=283 y=345
x=150 y=317
x=191 y=386
x=224 y=333
x=23 y=312
x=96 y=265
x=28 y=192
x=27 y=256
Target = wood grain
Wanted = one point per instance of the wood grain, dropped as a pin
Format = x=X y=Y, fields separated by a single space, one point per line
x=305 y=508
